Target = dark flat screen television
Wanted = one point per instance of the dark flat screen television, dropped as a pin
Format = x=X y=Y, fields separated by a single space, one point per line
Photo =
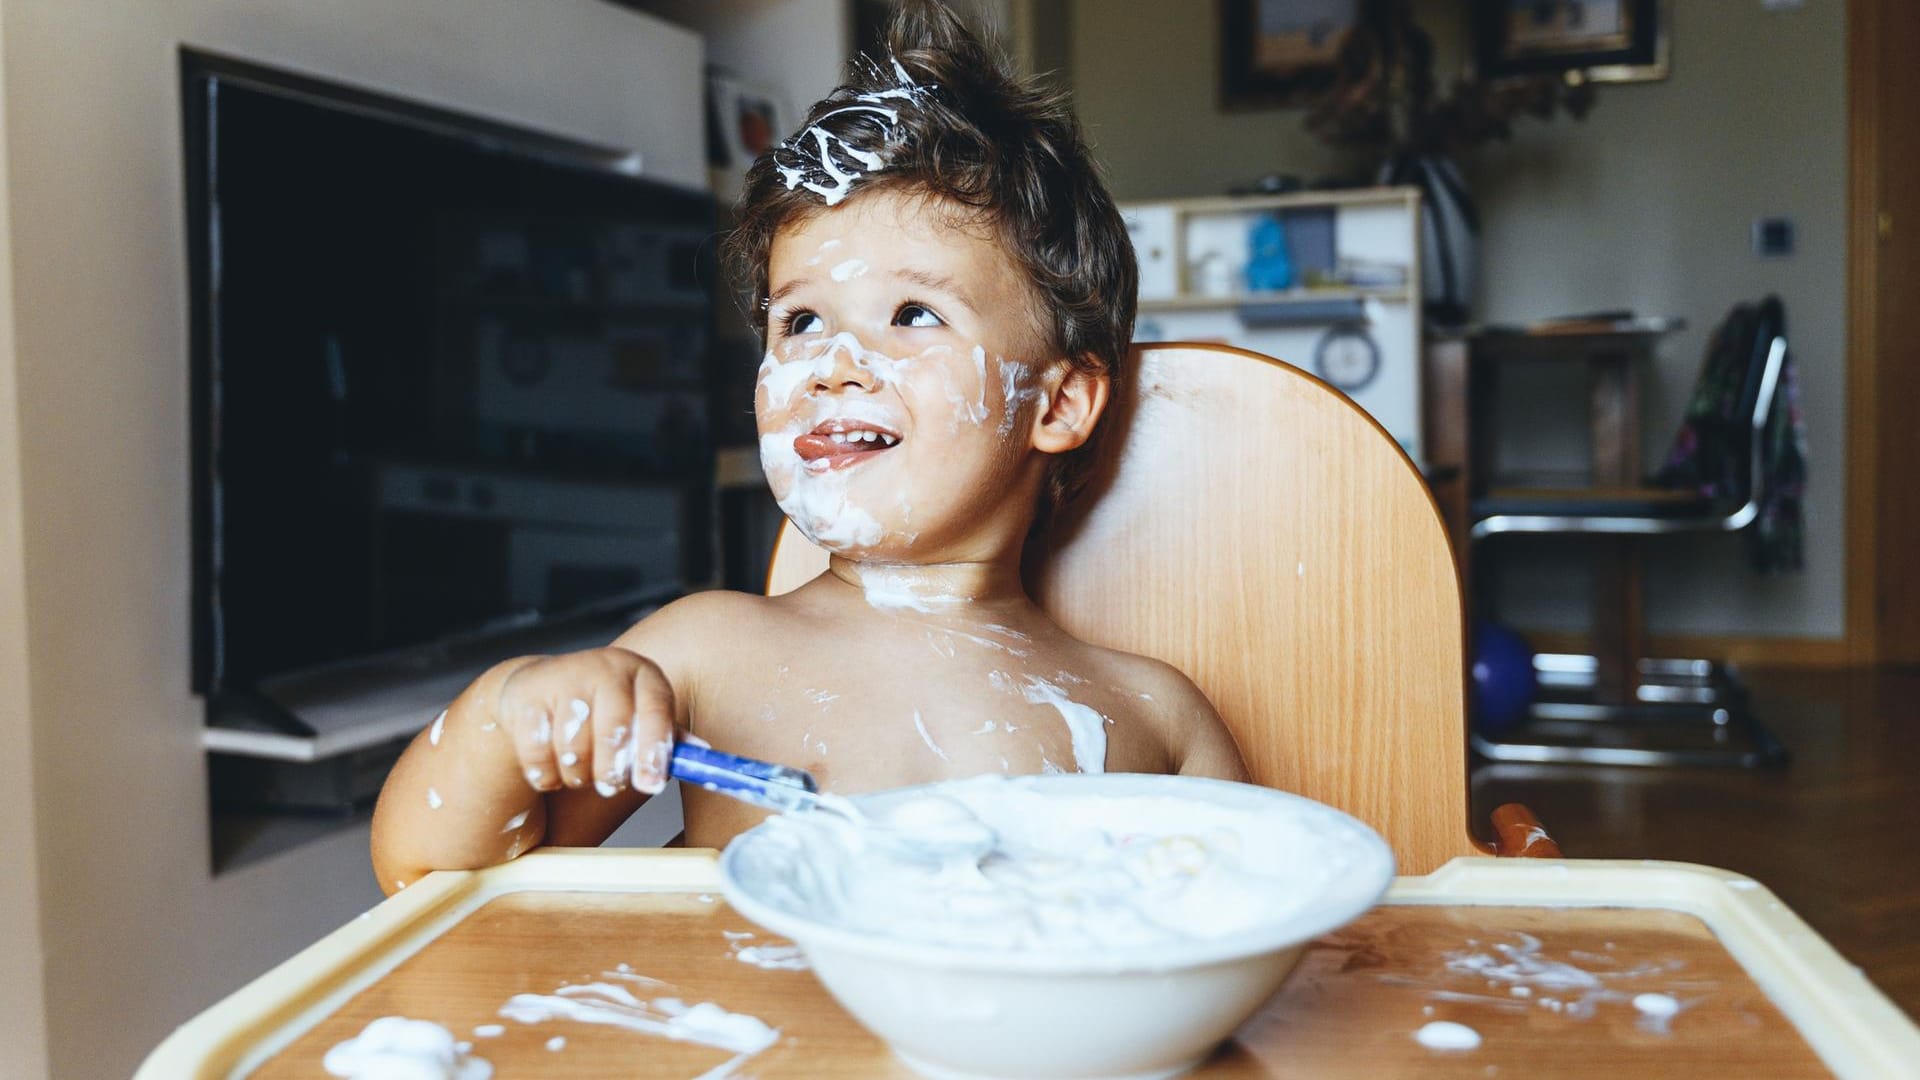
x=450 y=378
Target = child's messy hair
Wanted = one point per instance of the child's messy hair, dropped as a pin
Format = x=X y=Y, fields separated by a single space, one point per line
x=944 y=115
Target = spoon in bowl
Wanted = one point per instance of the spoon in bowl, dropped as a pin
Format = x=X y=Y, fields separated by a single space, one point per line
x=928 y=828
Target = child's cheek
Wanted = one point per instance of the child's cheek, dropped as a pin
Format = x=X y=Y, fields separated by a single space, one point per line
x=965 y=377
x=784 y=372
x=780 y=462
x=950 y=386
x=1018 y=387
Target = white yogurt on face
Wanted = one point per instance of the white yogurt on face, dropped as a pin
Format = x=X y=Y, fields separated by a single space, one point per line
x=1070 y=873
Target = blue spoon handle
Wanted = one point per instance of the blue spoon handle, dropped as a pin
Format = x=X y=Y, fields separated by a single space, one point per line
x=762 y=783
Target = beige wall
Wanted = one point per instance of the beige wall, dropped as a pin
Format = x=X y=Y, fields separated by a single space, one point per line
x=1145 y=79
x=795 y=47
x=1647 y=204
x=137 y=934
x=23 y=1017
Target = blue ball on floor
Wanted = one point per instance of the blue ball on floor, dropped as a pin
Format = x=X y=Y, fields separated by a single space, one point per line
x=1503 y=679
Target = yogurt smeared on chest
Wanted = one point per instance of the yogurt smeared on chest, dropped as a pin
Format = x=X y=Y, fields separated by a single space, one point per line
x=1069 y=873
x=1085 y=724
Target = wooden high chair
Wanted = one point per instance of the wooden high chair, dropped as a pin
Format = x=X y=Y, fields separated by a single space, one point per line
x=1253 y=527
x=1257 y=529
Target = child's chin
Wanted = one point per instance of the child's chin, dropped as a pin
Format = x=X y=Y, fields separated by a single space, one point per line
x=858 y=540
x=892 y=549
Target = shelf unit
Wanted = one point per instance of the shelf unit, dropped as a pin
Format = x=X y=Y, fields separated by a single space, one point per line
x=1352 y=317
x=1391 y=295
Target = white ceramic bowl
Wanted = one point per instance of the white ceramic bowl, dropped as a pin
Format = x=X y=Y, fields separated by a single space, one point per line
x=1134 y=1012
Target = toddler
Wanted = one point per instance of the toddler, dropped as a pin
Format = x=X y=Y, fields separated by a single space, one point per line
x=946 y=292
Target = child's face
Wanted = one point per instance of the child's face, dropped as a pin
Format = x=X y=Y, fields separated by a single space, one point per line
x=898 y=392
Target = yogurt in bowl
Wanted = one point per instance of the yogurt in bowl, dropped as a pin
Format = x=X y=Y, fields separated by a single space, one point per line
x=1121 y=927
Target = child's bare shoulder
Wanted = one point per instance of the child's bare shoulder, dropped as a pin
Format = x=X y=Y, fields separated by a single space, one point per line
x=1196 y=739
x=707 y=641
x=1163 y=687
x=699 y=619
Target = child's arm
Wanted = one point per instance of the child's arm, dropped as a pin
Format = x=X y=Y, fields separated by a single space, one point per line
x=1198 y=743
x=1209 y=750
x=554 y=750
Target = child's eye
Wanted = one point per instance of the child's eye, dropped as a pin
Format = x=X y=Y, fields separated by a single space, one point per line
x=916 y=315
x=800 y=322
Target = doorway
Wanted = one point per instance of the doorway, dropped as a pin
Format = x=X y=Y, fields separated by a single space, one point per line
x=1883 y=354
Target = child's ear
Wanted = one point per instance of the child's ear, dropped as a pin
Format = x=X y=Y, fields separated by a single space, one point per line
x=1075 y=398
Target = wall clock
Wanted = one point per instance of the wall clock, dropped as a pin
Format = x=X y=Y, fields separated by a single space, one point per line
x=1347 y=357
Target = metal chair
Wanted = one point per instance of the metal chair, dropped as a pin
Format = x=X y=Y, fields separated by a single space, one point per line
x=1675 y=700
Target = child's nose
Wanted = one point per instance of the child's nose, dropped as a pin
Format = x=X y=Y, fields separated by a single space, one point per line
x=844 y=365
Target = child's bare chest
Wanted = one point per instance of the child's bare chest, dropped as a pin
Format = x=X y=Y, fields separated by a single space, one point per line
x=908 y=701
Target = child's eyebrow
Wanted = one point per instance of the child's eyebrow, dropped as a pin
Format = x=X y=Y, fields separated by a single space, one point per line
x=926 y=279
x=788 y=289
x=940 y=282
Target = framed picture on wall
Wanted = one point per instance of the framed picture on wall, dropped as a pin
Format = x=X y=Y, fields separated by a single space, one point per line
x=744 y=120
x=1280 y=52
x=1601 y=40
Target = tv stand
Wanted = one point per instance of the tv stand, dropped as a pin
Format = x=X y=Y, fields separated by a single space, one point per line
x=305 y=758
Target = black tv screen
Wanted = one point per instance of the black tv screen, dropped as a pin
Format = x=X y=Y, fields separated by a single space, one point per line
x=448 y=376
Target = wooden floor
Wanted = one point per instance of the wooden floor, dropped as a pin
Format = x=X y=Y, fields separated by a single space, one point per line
x=1836 y=834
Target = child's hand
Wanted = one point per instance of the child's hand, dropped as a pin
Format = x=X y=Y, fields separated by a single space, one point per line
x=600 y=716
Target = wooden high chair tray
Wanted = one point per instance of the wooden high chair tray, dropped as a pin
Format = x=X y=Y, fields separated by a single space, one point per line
x=1543 y=959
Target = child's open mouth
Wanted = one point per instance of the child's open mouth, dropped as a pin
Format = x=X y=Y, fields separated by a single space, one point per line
x=837 y=444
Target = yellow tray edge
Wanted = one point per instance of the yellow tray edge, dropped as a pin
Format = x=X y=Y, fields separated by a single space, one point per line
x=1854 y=1028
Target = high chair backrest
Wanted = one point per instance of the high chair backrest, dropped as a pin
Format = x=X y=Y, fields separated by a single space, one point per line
x=1254 y=528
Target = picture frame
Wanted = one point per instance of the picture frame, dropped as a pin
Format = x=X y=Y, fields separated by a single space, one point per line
x=744 y=120
x=1597 y=40
x=1281 y=52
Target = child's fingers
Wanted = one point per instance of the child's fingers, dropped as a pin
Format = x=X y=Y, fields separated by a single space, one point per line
x=530 y=723
x=573 y=741
x=653 y=716
x=613 y=745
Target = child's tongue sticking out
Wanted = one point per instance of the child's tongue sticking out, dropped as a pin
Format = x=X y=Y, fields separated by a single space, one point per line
x=838 y=443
